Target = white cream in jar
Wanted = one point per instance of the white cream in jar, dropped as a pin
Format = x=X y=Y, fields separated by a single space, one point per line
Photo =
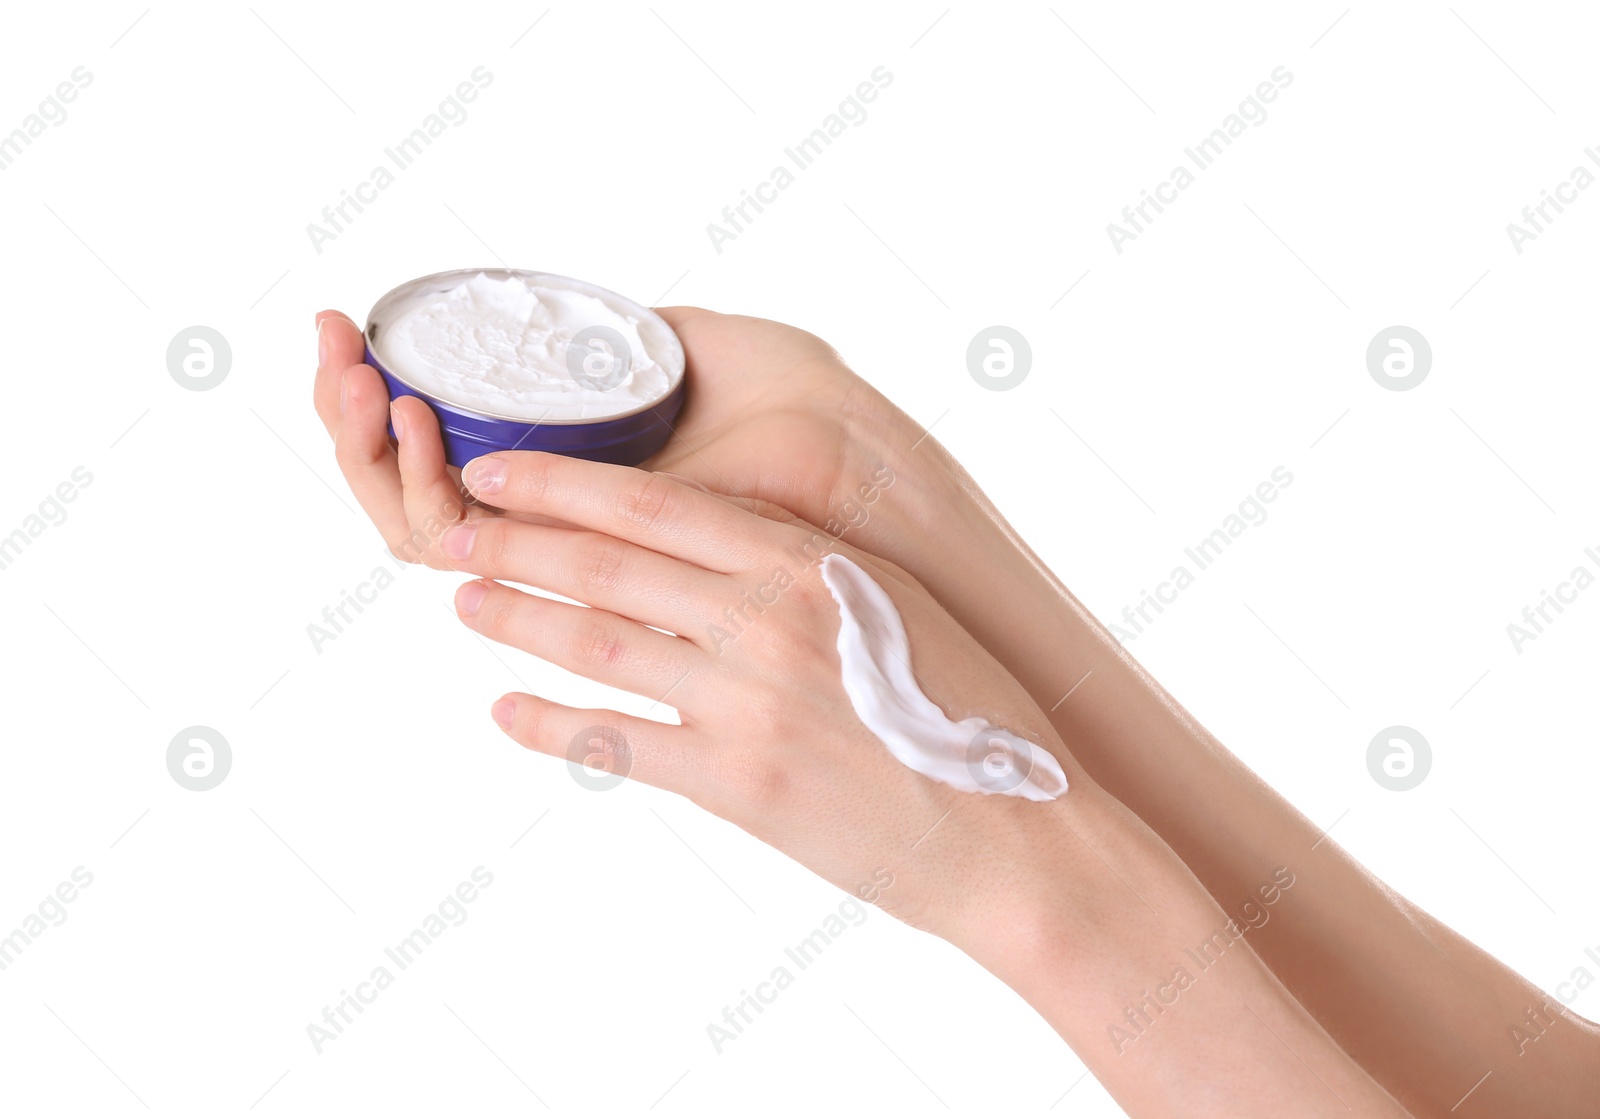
x=530 y=346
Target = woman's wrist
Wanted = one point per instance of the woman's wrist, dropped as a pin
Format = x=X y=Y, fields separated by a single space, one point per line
x=936 y=523
x=1035 y=889
x=939 y=525
x=933 y=515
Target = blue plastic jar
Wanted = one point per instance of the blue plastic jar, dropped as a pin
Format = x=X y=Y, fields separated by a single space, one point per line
x=628 y=437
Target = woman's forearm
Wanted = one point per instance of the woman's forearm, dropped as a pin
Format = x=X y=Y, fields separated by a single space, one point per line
x=1424 y=1010
x=1111 y=938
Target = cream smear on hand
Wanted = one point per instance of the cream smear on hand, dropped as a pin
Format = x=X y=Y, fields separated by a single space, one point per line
x=541 y=349
x=875 y=657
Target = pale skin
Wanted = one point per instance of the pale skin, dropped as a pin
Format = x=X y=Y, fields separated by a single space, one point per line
x=1347 y=997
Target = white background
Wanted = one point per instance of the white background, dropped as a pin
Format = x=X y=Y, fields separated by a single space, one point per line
x=368 y=779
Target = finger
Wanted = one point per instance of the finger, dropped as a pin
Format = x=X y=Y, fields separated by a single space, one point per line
x=339 y=346
x=594 y=569
x=595 y=644
x=430 y=496
x=651 y=510
x=760 y=506
x=603 y=742
x=367 y=460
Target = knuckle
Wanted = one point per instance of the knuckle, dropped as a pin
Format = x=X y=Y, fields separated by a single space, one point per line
x=498 y=614
x=597 y=644
x=528 y=477
x=795 y=635
x=494 y=547
x=647 y=504
x=600 y=565
x=602 y=749
x=756 y=779
x=810 y=594
x=810 y=545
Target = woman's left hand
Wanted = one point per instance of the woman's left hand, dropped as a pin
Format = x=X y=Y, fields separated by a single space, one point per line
x=769 y=739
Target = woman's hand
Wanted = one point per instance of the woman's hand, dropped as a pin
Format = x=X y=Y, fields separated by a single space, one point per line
x=772 y=414
x=1073 y=902
x=768 y=739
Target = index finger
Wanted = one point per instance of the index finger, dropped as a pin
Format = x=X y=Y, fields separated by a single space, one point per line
x=655 y=511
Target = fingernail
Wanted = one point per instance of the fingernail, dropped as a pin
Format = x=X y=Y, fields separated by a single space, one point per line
x=457 y=540
x=322 y=344
x=486 y=475
x=344 y=392
x=397 y=423
x=469 y=598
x=504 y=711
x=685 y=479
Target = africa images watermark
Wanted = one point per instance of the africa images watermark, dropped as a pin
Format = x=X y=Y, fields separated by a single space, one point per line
x=453 y=909
x=1537 y=1021
x=1205 y=552
x=1537 y=218
x=52 y=112
x=452 y=111
x=851 y=913
x=852 y=112
x=49 y=913
x=1138 y=1017
x=851 y=513
x=1252 y=112
x=50 y=513
x=1537 y=617
x=340 y=615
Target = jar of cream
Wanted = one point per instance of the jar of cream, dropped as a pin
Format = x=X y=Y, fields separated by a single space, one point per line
x=516 y=360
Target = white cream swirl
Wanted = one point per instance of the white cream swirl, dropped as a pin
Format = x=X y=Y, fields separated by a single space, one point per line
x=875 y=659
